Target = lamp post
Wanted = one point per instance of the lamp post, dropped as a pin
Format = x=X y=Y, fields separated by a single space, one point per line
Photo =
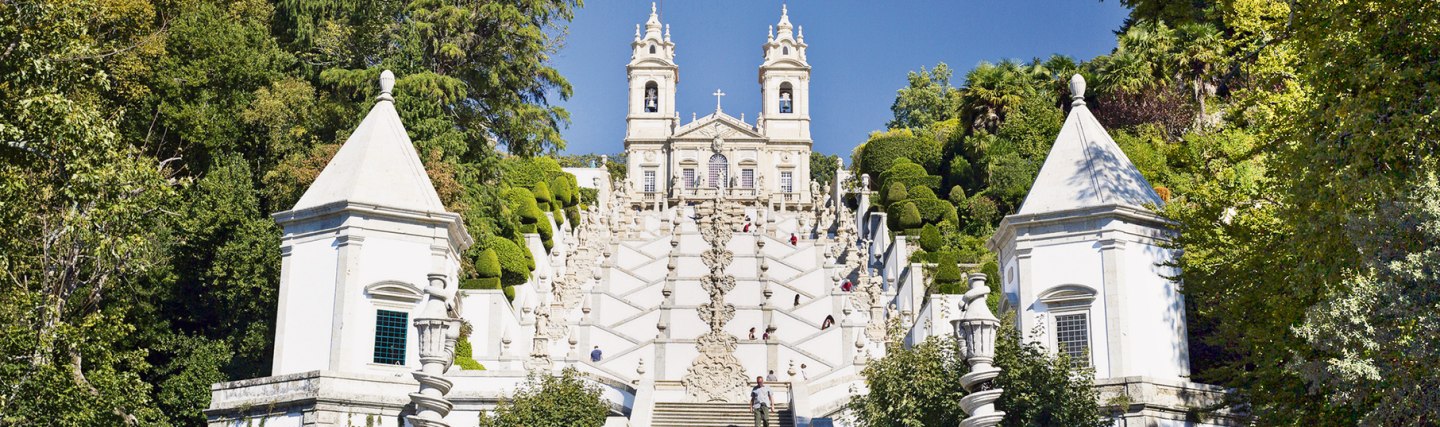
x=975 y=331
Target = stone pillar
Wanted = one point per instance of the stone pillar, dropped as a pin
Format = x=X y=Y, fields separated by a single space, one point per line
x=437 y=333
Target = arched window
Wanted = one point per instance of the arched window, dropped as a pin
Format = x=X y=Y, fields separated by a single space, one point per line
x=785 y=50
x=719 y=171
x=787 y=98
x=652 y=97
x=652 y=49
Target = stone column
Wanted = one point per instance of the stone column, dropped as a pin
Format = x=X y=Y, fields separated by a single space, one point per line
x=437 y=333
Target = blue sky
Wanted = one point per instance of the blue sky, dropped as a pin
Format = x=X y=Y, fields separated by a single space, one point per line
x=859 y=53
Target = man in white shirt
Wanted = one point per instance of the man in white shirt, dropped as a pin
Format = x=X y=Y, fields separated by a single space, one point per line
x=761 y=402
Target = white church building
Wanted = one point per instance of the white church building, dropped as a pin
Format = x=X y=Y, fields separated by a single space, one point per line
x=685 y=277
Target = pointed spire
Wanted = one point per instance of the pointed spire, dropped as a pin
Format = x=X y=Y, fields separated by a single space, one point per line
x=652 y=26
x=377 y=165
x=800 y=34
x=1085 y=168
x=667 y=32
x=784 y=24
x=637 y=32
x=770 y=35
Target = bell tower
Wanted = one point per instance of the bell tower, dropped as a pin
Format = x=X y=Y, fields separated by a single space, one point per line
x=653 y=76
x=785 y=83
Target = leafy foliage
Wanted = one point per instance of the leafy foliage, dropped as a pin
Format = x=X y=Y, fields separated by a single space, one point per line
x=551 y=401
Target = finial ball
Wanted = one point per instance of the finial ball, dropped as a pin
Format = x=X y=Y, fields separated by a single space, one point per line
x=387 y=81
x=1077 y=87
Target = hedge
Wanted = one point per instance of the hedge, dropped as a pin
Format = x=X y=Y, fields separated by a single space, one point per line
x=522 y=202
x=930 y=238
x=526 y=172
x=894 y=193
x=543 y=197
x=882 y=149
x=921 y=192
x=564 y=193
x=481 y=283
x=509 y=293
x=910 y=174
x=513 y=262
x=909 y=216
x=487 y=264
x=572 y=214
x=948 y=277
x=957 y=196
x=930 y=211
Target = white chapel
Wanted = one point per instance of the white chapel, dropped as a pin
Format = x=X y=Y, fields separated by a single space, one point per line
x=716 y=261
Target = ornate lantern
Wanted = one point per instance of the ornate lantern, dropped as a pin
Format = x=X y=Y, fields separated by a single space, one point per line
x=975 y=331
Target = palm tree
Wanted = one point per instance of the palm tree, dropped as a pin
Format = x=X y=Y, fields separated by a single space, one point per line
x=991 y=90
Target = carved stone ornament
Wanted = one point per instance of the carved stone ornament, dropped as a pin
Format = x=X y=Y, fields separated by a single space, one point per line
x=716 y=375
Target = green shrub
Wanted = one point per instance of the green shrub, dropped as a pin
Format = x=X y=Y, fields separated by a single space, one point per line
x=481 y=283
x=559 y=213
x=881 y=150
x=922 y=192
x=547 y=234
x=894 y=193
x=910 y=174
x=948 y=277
x=563 y=191
x=589 y=196
x=522 y=202
x=526 y=172
x=513 y=262
x=931 y=211
x=543 y=196
x=982 y=212
x=487 y=264
x=509 y=293
x=572 y=214
x=909 y=216
x=930 y=238
x=464 y=352
x=957 y=196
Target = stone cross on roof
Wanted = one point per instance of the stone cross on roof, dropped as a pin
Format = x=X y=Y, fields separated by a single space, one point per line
x=718 y=94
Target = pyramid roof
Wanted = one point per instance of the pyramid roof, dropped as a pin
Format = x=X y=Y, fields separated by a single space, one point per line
x=1085 y=168
x=377 y=165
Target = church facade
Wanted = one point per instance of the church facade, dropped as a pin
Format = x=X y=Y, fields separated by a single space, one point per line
x=716 y=262
x=767 y=161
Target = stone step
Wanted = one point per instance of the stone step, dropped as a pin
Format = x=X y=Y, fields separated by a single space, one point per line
x=715 y=415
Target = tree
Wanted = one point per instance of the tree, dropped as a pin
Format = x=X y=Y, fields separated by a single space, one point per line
x=551 y=401
x=919 y=386
x=929 y=98
x=822 y=167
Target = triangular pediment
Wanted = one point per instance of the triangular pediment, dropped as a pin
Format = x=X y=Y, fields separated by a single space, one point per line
x=717 y=124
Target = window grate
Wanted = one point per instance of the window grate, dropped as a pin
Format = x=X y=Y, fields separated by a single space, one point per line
x=1072 y=336
x=390 y=332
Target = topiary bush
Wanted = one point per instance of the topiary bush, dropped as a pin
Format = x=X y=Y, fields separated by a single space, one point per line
x=563 y=192
x=481 y=283
x=514 y=265
x=522 y=202
x=894 y=193
x=487 y=264
x=882 y=149
x=910 y=174
x=509 y=293
x=957 y=196
x=922 y=192
x=948 y=277
x=572 y=214
x=543 y=197
x=525 y=172
x=464 y=352
x=930 y=238
x=931 y=211
x=909 y=216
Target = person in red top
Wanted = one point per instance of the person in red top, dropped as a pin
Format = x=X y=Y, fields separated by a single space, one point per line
x=794 y=240
x=847 y=286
